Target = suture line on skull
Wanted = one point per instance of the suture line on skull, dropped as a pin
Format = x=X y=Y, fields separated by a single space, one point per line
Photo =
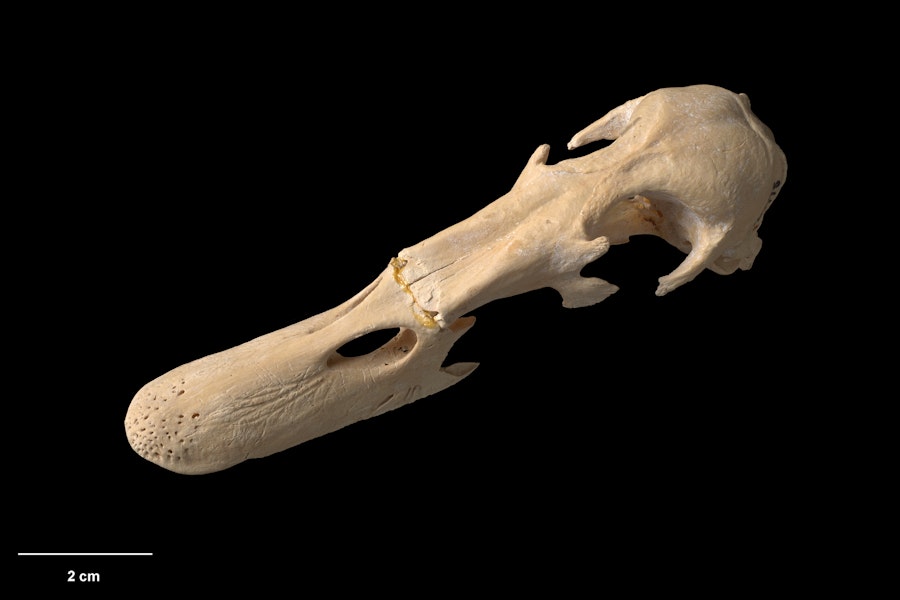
x=423 y=316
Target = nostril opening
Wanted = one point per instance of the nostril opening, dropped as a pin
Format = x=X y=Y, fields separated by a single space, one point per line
x=377 y=348
x=367 y=343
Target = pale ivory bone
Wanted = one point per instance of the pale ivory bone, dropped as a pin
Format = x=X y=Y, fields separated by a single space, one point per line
x=691 y=165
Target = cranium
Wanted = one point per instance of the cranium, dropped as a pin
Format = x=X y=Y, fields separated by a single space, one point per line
x=691 y=165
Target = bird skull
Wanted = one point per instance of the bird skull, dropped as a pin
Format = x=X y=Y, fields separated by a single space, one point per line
x=691 y=165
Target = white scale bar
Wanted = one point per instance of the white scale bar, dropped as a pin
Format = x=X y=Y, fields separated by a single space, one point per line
x=85 y=554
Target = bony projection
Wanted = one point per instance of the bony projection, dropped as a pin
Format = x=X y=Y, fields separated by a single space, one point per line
x=691 y=165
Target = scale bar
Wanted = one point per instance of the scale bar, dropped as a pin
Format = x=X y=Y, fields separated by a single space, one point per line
x=85 y=554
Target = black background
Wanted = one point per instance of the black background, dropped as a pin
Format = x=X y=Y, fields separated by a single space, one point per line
x=201 y=180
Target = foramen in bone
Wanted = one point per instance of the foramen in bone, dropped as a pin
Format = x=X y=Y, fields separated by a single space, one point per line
x=691 y=165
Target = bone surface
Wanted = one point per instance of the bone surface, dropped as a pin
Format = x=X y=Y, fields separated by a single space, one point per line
x=691 y=165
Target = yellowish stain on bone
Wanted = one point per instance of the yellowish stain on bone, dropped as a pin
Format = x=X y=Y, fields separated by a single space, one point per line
x=424 y=317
